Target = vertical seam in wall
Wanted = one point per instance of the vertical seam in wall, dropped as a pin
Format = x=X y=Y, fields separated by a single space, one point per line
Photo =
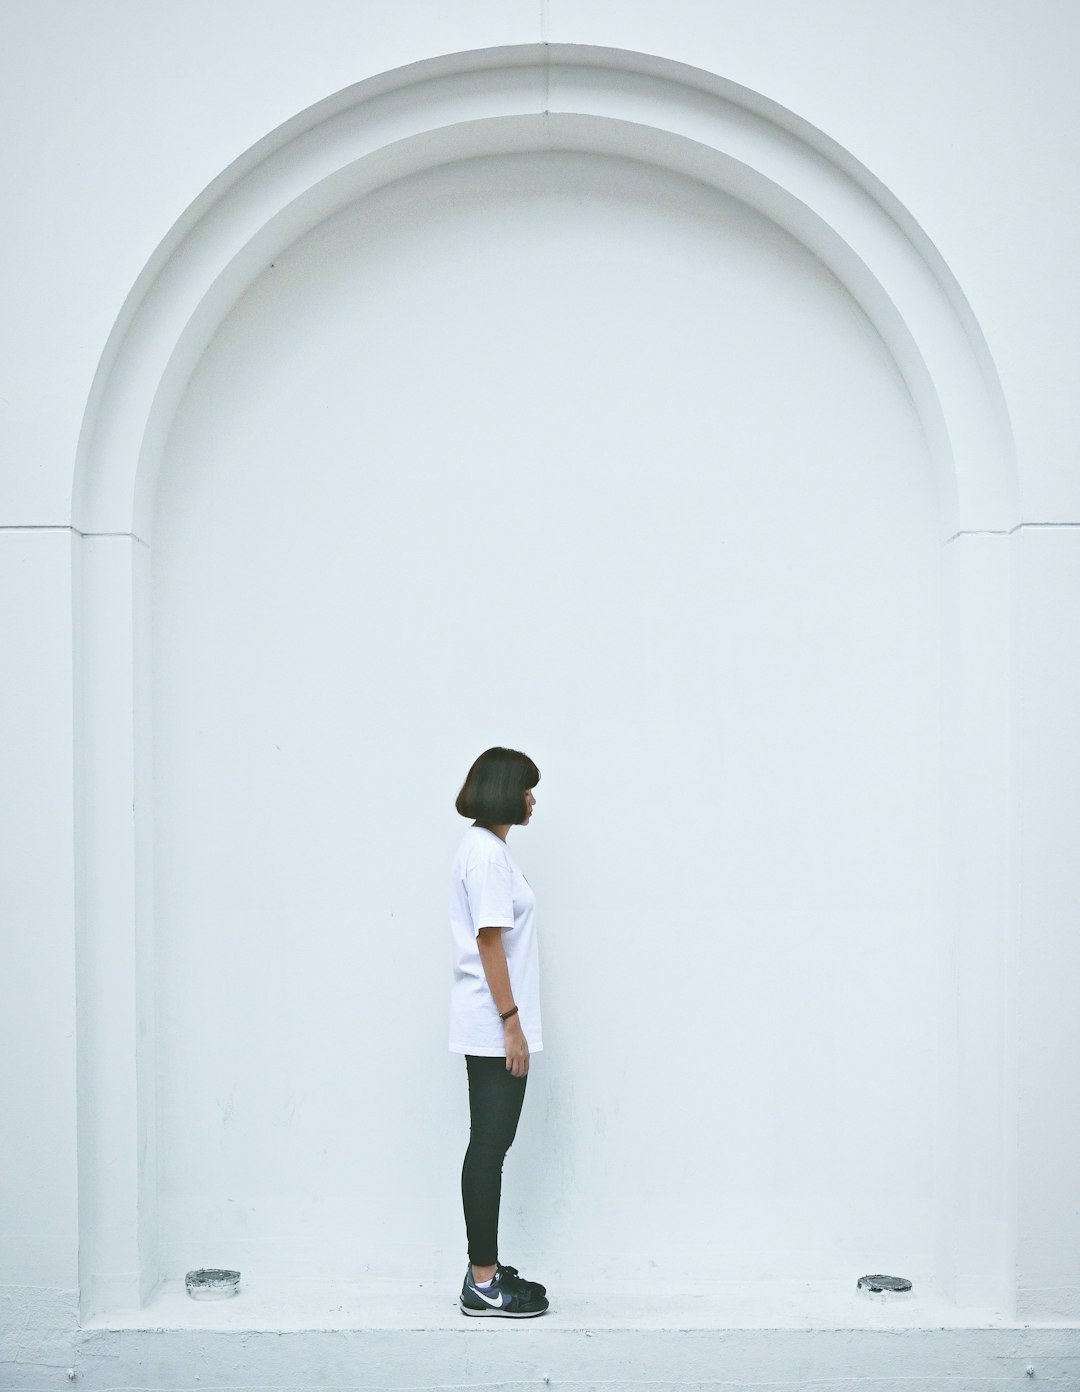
x=547 y=63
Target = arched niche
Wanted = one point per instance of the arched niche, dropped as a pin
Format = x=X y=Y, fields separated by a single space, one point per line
x=500 y=102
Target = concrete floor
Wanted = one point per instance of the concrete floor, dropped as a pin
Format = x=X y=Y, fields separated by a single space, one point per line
x=626 y=1305
x=406 y=1336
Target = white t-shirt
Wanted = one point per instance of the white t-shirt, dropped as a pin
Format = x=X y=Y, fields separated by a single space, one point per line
x=487 y=890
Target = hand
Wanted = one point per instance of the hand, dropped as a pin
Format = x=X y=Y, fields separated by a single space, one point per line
x=517 y=1047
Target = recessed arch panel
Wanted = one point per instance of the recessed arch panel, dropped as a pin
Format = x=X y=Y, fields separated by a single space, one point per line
x=560 y=96
x=433 y=115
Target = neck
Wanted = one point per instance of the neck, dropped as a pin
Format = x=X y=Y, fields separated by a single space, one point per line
x=500 y=831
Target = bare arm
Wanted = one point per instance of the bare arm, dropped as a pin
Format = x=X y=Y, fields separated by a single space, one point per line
x=493 y=959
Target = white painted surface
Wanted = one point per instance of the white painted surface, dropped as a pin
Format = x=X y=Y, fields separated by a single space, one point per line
x=643 y=106
x=620 y=1303
x=974 y=1098
x=101 y=129
x=1047 y=957
x=38 y=1219
x=499 y=1354
x=114 y=931
x=701 y=585
x=537 y=98
x=125 y=143
x=100 y=100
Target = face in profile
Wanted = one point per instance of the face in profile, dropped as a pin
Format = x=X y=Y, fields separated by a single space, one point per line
x=530 y=803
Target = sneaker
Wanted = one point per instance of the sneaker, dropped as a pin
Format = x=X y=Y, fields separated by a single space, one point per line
x=508 y=1295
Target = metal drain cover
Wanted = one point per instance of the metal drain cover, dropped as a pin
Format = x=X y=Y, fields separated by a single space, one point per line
x=212 y=1283
x=878 y=1285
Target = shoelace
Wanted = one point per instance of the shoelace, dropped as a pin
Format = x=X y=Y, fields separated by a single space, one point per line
x=520 y=1281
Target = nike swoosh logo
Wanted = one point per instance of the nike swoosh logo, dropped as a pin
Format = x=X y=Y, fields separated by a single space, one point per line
x=495 y=1300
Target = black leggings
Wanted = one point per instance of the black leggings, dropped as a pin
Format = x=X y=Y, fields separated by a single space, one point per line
x=495 y=1098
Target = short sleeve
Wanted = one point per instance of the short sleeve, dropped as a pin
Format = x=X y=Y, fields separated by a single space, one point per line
x=491 y=898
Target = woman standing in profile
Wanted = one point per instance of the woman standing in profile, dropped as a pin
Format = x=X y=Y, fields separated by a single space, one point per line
x=494 y=1013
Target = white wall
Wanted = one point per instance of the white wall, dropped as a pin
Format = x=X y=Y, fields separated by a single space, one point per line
x=562 y=452
x=37 y=1152
x=107 y=147
x=912 y=90
x=1048 y=893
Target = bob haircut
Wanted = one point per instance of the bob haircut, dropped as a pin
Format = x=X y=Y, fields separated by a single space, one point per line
x=494 y=790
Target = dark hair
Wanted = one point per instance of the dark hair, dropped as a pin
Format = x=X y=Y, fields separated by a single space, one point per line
x=494 y=790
